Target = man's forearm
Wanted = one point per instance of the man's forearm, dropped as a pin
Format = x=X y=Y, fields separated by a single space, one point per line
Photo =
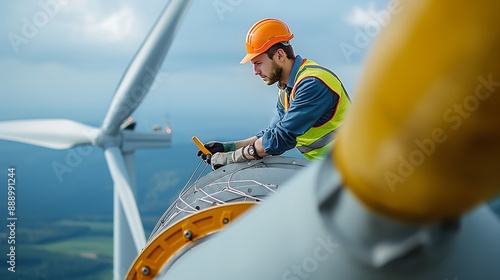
x=245 y=142
x=258 y=146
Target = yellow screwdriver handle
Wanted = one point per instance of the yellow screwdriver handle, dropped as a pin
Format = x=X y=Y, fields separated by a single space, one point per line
x=200 y=146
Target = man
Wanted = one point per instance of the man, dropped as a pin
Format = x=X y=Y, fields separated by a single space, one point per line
x=312 y=102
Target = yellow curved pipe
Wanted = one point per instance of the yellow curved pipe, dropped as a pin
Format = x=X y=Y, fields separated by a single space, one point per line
x=422 y=142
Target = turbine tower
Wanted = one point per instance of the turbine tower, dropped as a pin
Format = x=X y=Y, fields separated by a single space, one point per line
x=118 y=144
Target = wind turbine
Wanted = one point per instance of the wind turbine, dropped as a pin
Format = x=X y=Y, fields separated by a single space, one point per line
x=342 y=217
x=118 y=144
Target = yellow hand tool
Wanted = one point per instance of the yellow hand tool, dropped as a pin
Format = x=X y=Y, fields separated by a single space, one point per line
x=200 y=146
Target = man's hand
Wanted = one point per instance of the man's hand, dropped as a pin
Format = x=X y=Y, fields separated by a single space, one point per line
x=216 y=147
x=220 y=159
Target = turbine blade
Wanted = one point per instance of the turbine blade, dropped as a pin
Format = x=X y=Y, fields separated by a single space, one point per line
x=142 y=71
x=126 y=197
x=48 y=133
x=447 y=116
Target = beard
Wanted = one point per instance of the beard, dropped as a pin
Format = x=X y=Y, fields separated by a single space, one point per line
x=276 y=73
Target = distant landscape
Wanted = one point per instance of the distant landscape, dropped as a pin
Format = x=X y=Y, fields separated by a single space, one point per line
x=64 y=250
x=64 y=228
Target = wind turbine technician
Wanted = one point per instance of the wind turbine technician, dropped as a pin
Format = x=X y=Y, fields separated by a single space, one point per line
x=312 y=102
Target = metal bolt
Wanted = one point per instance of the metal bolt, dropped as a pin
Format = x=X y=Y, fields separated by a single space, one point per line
x=145 y=270
x=225 y=220
x=188 y=234
x=249 y=190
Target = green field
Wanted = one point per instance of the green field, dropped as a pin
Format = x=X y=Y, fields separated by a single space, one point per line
x=84 y=245
x=98 y=240
x=106 y=227
x=67 y=249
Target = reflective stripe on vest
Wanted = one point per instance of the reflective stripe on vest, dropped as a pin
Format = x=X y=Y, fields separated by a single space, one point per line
x=317 y=140
x=321 y=142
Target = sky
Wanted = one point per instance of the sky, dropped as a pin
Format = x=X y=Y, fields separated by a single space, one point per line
x=64 y=59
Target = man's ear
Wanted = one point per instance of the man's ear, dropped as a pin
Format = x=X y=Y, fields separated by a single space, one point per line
x=281 y=55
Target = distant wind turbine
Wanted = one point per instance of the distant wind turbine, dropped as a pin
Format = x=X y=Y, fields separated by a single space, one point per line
x=118 y=144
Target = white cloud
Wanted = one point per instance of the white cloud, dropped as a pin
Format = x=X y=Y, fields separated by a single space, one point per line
x=112 y=28
x=360 y=16
x=95 y=23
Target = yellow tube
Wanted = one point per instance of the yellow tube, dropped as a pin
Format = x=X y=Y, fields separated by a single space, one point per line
x=422 y=141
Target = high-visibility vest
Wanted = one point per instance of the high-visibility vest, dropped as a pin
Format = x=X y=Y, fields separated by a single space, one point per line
x=318 y=139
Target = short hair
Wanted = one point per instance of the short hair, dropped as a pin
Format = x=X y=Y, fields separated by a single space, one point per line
x=285 y=46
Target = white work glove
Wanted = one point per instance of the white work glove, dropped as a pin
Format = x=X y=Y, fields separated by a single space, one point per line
x=220 y=159
x=216 y=147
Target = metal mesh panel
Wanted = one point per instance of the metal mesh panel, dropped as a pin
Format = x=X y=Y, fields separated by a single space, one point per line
x=253 y=181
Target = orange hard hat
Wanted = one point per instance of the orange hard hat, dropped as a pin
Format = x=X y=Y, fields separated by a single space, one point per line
x=264 y=34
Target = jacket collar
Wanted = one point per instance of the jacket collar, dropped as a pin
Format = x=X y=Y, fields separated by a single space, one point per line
x=291 y=79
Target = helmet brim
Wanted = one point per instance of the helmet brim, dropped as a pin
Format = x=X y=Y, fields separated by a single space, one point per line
x=248 y=57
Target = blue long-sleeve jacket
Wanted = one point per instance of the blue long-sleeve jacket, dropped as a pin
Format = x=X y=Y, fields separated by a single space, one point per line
x=314 y=104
